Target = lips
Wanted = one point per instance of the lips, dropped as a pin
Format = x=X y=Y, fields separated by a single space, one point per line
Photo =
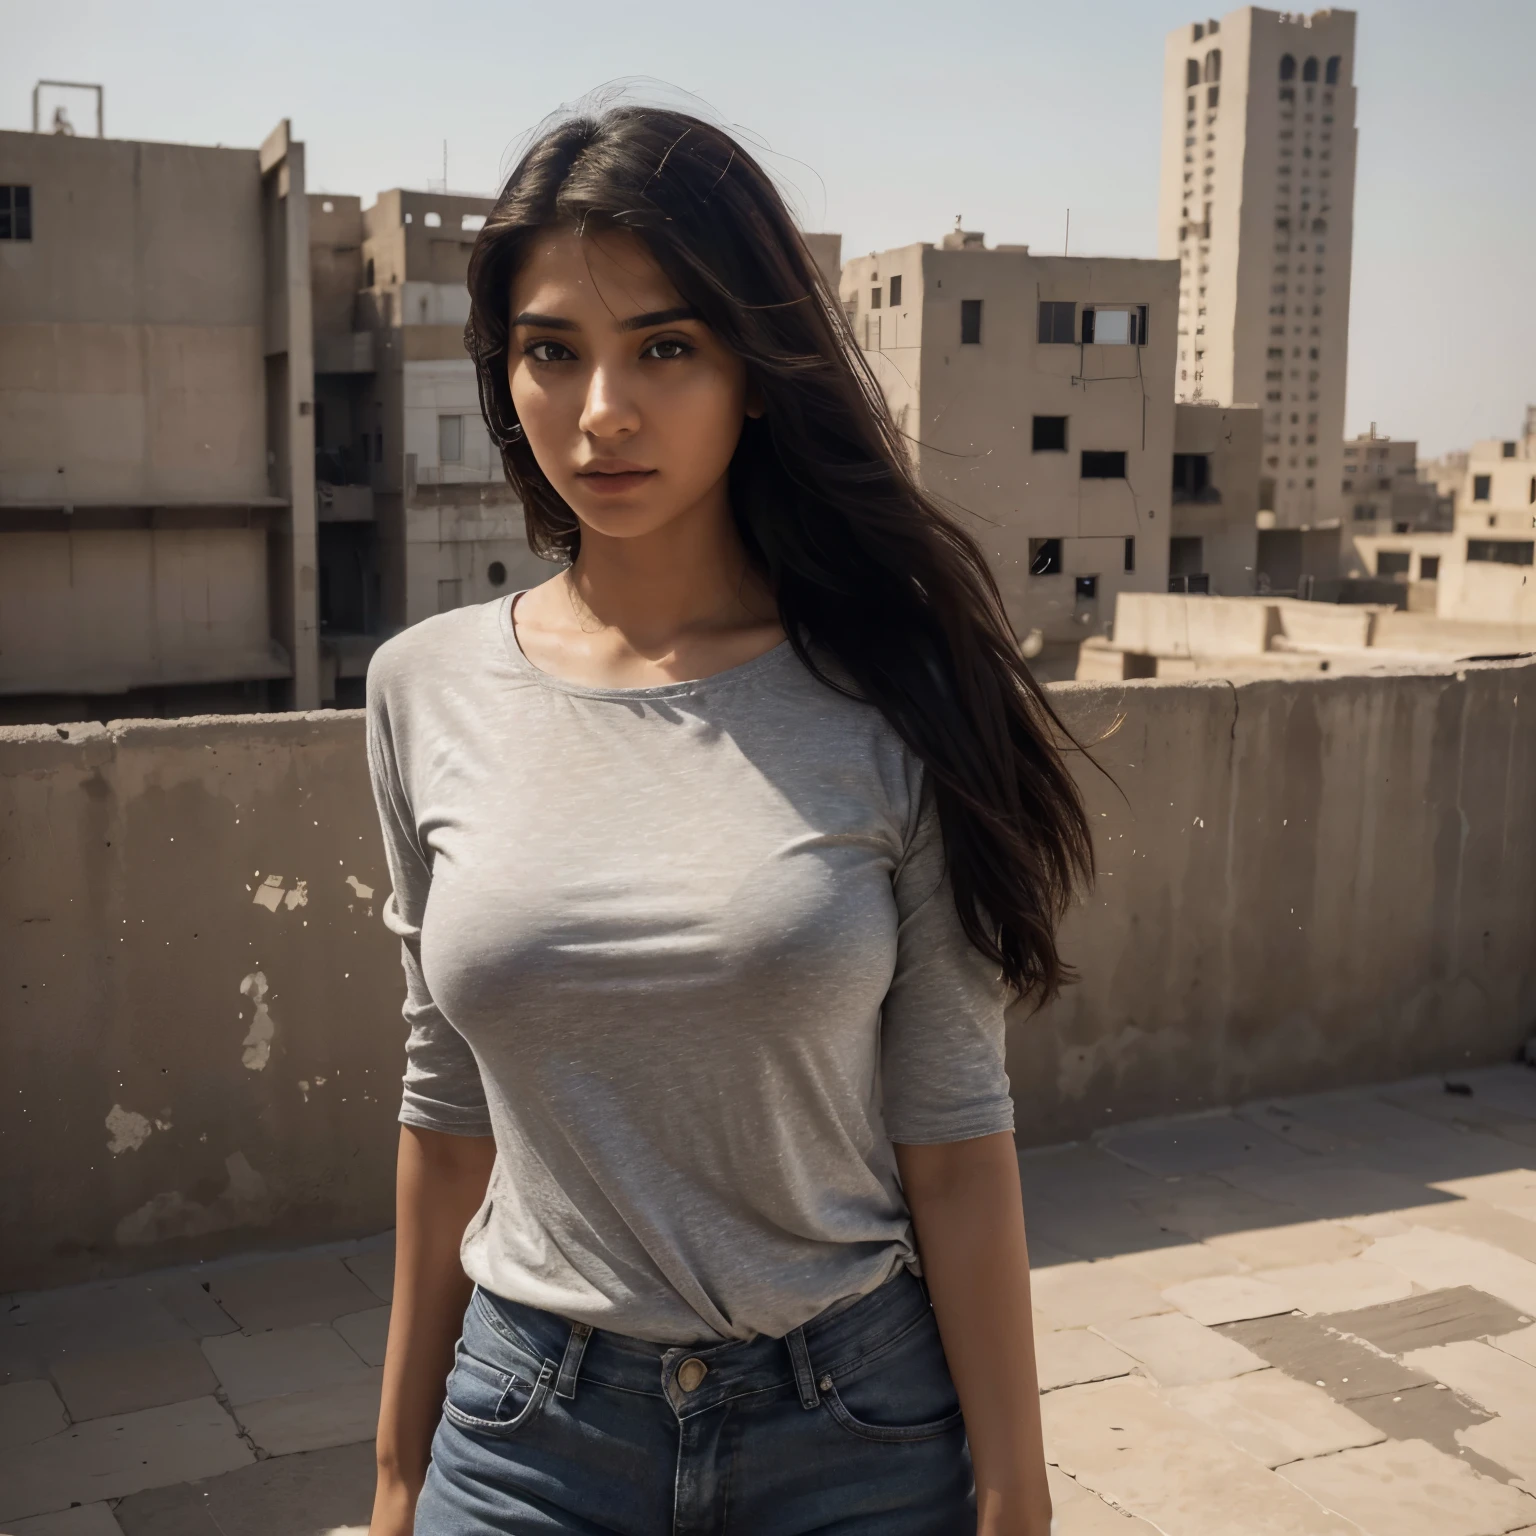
x=614 y=476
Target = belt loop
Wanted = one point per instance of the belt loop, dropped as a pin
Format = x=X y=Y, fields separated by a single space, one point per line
x=805 y=1379
x=570 y=1361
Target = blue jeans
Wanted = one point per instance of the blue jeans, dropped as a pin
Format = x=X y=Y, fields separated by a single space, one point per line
x=847 y=1427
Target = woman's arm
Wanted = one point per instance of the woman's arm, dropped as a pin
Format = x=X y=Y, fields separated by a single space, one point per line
x=968 y=1212
x=440 y=1181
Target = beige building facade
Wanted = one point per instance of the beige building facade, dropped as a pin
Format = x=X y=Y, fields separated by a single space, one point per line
x=157 y=506
x=1035 y=393
x=1213 y=543
x=1257 y=205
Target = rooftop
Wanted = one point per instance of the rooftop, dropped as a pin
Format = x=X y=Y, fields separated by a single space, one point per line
x=1314 y=1316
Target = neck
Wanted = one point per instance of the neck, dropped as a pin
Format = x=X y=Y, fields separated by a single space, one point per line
x=688 y=576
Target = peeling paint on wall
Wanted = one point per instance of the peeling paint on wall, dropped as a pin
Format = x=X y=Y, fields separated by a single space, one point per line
x=129 y=1130
x=271 y=895
x=244 y=1202
x=258 y=1039
x=361 y=891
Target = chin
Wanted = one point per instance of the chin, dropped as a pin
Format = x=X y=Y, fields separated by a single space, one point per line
x=620 y=518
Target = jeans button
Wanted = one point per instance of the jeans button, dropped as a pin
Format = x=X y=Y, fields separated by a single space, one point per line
x=690 y=1373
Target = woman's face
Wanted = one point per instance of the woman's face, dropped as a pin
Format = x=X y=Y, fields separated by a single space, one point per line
x=631 y=404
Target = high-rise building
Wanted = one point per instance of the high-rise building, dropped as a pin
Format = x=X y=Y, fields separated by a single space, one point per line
x=1257 y=204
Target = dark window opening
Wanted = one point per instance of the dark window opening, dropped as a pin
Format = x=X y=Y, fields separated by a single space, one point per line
x=1191 y=72
x=368 y=273
x=1482 y=487
x=1331 y=75
x=1058 y=322
x=1099 y=464
x=1186 y=557
x=1212 y=95
x=874 y=298
x=1509 y=450
x=1213 y=64
x=1045 y=557
x=496 y=573
x=895 y=292
x=1130 y=553
x=15 y=213
x=970 y=322
x=1309 y=70
x=378 y=447
x=1049 y=434
x=1429 y=567
x=1287 y=67
x=1532 y=497
x=1191 y=475
x=1392 y=563
x=1087 y=589
x=1502 y=551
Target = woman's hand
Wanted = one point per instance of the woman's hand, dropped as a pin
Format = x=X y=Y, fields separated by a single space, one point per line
x=968 y=1212
x=394 y=1508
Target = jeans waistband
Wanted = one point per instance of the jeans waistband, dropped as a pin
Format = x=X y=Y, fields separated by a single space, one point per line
x=696 y=1378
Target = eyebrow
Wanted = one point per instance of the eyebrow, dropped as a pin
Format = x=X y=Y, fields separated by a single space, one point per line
x=634 y=323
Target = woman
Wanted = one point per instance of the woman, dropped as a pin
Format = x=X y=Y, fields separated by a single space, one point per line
x=716 y=858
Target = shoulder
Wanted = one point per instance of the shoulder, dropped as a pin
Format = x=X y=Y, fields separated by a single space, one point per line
x=420 y=657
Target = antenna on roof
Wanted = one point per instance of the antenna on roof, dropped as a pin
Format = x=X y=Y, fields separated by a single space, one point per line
x=1067 y=241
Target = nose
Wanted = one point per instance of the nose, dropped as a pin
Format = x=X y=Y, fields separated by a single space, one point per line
x=610 y=409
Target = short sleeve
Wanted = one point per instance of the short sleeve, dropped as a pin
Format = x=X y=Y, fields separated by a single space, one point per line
x=942 y=1026
x=443 y=1087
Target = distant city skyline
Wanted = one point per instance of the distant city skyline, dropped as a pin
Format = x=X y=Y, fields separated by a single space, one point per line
x=886 y=125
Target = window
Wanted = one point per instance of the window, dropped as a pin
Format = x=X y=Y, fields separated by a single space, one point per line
x=450 y=439
x=15 y=213
x=895 y=292
x=1115 y=327
x=1045 y=557
x=1482 y=487
x=1429 y=567
x=1532 y=497
x=874 y=298
x=1287 y=68
x=1049 y=434
x=496 y=574
x=1509 y=450
x=1392 y=563
x=970 y=322
x=1186 y=557
x=1502 y=551
x=1130 y=553
x=472 y=222
x=1191 y=475
x=1213 y=64
x=1212 y=95
x=1191 y=73
x=1331 y=74
x=368 y=273
x=1058 y=322
x=433 y=221
x=1101 y=465
x=1087 y=589
x=1365 y=514
x=1309 y=71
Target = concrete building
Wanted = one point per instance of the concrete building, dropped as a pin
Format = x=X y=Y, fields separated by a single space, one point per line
x=1398 y=522
x=1489 y=572
x=157 y=505
x=1035 y=392
x=1257 y=205
x=1213 y=543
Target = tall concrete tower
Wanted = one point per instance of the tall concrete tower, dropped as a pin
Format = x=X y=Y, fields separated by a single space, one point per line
x=1257 y=205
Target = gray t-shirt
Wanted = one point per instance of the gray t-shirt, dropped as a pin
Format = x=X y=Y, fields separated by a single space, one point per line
x=688 y=953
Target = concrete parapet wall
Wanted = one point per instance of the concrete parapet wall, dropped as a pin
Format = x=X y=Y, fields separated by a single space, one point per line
x=1304 y=883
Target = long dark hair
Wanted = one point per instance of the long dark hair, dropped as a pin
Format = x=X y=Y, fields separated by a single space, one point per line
x=867 y=568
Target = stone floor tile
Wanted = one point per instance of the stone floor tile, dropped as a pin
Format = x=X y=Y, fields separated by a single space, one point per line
x=1079 y=1295
x=1354 y=1115
x=1274 y=1417
x=1073 y=1355
x=45 y=1326
x=186 y=1295
x=366 y=1332
x=29 y=1411
x=1096 y=1230
x=1119 y=1440
x=1478 y=1110
x=1202 y=1206
x=1279 y=1121
x=1343 y=1286
x=253 y=1367
x=1441 y=1152
x=341 y=1414
x=1514 y=1233
x=289 y=1292
x=1091 y=1516
x=1511 y=1189
x=312 y=1493
x=1228 y=1299
x=94 y=1386
x=1430 y=1412
x=1201 y=1144
x=1337 y=1190
x=1303 y=1242
x=108 y=1458
x=1508 y=1443
x=375 y=1267
x=1408 y=1488
x=1176 y=1351
x=1521 y=1344
x=1079 y=1174
x=1042 y=1255
x=1433 y=1317
x=1437 y=1259
x=1173 y=1265
x=1308 y=1349
x=87 y=1520
x=1486 y=1376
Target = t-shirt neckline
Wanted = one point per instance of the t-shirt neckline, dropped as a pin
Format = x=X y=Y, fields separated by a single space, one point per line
x=773 y=656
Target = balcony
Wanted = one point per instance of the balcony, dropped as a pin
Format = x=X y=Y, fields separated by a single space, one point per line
x=344 y=352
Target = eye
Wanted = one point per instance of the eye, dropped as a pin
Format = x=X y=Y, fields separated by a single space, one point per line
x=548 y=352
x=668 y=349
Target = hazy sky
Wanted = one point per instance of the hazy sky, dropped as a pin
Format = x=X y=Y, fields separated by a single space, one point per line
x=888 y=120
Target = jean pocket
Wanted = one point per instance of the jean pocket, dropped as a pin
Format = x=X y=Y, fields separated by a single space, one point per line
x=900 y=1393
x=488 y=1400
